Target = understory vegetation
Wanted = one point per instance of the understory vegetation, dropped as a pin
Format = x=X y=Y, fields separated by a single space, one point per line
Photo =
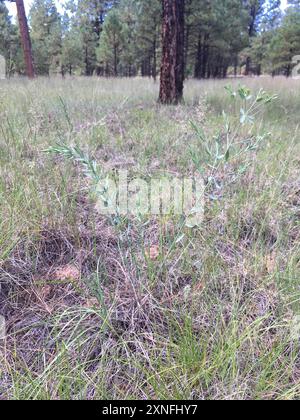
x=149 y=308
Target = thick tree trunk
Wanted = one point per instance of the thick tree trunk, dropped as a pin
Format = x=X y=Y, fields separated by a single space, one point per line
x=25 y=38
x=172 y=67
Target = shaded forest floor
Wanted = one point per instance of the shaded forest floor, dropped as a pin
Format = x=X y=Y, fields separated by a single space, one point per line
x=147 y=308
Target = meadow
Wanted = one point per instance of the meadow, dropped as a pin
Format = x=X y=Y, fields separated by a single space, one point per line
x=149 y=308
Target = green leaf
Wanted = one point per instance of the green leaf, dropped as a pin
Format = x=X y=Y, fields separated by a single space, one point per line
x=227 y=155
x=244 y=93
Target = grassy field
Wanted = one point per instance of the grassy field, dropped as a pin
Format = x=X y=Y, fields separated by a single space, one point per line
x=148 y=308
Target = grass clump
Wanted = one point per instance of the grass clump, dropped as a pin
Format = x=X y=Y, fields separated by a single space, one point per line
x=99 y=308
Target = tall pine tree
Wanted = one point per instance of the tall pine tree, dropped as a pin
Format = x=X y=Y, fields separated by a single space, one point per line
x=172 y=66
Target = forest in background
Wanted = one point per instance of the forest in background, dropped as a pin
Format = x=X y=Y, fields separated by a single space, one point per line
x=123 y=38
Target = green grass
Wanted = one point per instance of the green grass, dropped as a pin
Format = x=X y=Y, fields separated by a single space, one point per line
x=210 y=317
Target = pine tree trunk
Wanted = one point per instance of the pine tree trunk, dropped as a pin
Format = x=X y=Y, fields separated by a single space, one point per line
x=115 y=62
x=154 y=66
x=205 y=57
x=248 y=66
x=198 y=62
x=186 y=49
x=25 y=38
x=172 y=67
